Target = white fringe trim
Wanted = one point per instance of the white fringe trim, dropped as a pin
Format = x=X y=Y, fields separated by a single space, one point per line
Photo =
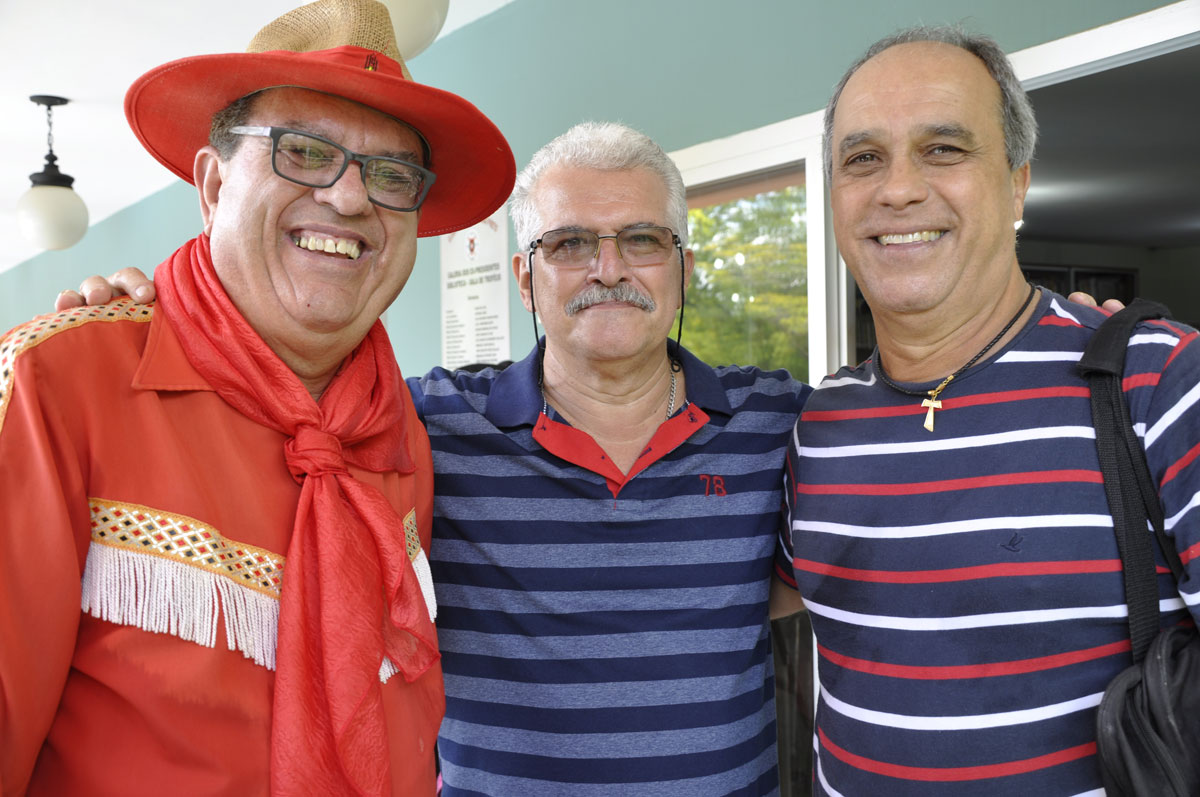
x=425 y=578
x=166 y=597
x=420 y=565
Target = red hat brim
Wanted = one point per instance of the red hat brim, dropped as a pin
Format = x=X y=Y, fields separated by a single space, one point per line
x=170 y=109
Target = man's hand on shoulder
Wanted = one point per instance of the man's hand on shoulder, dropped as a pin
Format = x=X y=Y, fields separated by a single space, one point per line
x=98 y=290
x=1087 y=300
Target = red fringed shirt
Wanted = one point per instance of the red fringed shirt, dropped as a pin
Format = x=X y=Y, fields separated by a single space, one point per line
x=111 y=442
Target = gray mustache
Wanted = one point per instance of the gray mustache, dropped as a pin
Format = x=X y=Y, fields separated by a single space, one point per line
x=623 y=292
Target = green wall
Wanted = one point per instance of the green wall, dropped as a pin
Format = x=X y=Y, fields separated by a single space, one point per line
x=683 y=71
x=141 y=235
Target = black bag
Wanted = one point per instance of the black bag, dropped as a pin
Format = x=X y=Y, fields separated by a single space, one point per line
x=1148 y=723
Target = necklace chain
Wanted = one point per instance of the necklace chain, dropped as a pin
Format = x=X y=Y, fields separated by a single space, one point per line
x=932 y=403
x=671 y=397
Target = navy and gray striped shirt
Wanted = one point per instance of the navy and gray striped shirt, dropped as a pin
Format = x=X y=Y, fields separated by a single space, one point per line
x=604 y=633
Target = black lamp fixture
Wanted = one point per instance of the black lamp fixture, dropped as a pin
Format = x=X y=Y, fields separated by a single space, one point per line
x=51 y=214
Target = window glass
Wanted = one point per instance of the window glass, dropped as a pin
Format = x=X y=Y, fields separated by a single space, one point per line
x=748 y=301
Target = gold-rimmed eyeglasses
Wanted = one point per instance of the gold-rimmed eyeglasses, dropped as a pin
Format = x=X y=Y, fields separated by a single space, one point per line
x=571 y=247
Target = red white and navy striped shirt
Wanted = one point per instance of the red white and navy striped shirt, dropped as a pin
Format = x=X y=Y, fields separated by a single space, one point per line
x=964 y=585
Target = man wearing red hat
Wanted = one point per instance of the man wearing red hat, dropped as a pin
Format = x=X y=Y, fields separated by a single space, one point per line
x=253 y=619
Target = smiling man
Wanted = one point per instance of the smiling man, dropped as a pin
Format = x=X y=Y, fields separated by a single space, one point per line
x=955 y=549
x=607 y=510
x=257 y=614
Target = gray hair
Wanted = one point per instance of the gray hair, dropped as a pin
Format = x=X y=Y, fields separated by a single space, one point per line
x=1020 y=126
x=607 y=146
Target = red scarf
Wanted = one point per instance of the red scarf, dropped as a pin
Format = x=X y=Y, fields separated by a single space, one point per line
x=349 y=592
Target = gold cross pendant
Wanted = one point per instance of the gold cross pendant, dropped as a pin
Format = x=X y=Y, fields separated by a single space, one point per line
x=932 y=404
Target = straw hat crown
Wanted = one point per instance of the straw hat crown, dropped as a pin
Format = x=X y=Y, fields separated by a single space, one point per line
x=332 y=23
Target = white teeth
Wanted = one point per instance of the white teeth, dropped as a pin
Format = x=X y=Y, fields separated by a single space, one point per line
x=909 y=237
x=339 y=246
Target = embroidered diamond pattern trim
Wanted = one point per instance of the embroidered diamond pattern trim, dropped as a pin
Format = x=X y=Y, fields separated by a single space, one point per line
x=187 y=540
x=412 y=539
x=45 y=327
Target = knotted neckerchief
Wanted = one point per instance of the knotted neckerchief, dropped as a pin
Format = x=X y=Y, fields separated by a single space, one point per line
x=349 y=592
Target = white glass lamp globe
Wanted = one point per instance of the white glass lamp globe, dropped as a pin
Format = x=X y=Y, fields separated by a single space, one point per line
x=52 y=217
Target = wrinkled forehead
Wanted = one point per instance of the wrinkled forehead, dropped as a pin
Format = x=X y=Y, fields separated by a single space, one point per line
x=925 y=85
x=335 y=117
x=590 y=198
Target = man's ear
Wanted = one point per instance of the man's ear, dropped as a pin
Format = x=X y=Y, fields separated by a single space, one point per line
x=689 y=265
x=1020 y=177
x=206 y=171
x=520 y=266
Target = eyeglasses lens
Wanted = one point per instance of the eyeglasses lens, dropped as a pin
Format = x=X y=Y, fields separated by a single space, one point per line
x=313 y=162
x=638 y=246
x=306 y=160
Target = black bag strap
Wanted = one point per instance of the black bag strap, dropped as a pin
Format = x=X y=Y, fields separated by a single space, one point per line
x=1132 y=496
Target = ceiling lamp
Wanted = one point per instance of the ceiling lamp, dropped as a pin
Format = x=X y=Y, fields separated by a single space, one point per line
x=417 y=23
x=51 y=214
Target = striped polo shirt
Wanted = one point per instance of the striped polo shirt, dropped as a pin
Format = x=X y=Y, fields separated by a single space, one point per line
x=964 y=585
x=603 y=633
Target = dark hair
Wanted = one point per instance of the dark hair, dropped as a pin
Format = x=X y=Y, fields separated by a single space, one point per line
x=234 y=114
x=1020 y=126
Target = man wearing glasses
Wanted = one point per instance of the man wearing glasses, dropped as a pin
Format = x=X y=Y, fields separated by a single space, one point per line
x=606 y=510
x=257 y=614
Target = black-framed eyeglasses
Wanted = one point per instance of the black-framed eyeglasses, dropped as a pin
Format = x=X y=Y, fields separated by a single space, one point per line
x=317 y=162
x=638 y=246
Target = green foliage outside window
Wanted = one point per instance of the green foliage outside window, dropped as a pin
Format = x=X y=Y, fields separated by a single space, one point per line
x=748 y=301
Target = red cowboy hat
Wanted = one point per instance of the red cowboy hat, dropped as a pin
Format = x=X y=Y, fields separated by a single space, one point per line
x=346 y=48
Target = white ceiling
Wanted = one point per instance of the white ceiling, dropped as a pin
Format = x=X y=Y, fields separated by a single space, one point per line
x=89 y=51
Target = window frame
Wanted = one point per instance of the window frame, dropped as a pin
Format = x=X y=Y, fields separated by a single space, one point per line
x=798 y=139
x=766 y=149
